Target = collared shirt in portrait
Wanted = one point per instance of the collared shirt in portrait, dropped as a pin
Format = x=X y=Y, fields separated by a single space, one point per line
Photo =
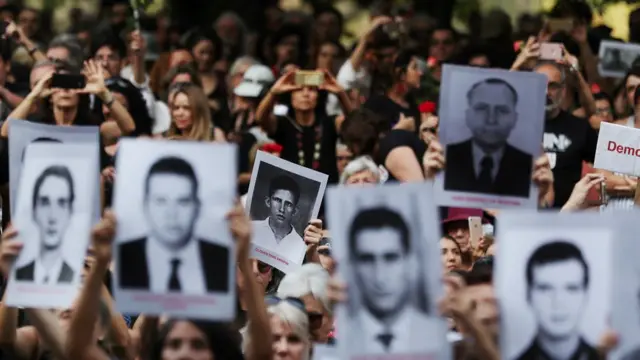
x=51 y=275
x=479 y=155
x=291 y=247
x=192 y=280
x=408 y=333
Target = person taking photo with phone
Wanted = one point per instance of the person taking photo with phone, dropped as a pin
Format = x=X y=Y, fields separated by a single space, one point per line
x=307 y=134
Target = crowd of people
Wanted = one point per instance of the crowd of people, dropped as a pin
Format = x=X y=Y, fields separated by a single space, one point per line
x=371 y=118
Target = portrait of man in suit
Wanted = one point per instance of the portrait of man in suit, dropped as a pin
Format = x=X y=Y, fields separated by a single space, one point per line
x=52 y=210
x=388 y=321
x=170 y=258
x=276 y=232
x=486 y=163
x=557 y=277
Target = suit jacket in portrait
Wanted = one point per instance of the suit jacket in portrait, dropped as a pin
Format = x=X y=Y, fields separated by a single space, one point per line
x=583 y=352
x=632 y=355
x=27 y=273
x=512 y=179
x=408 y=333
x=134 y=271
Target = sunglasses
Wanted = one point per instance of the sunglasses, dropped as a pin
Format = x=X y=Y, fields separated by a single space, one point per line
x=263 y=268
x=315 y=318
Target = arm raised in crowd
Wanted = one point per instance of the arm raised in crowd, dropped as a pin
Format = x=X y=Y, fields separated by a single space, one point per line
x=259 y=325
x=264 y=114
x=80 y=342
x=40 y=90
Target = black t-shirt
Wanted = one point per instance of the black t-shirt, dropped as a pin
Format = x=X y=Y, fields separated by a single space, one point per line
x=568 y=141
x=323 y=132
x=398 y=138
x=390 y=110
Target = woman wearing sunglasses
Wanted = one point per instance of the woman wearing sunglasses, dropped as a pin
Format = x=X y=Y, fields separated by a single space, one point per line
x=290 y=325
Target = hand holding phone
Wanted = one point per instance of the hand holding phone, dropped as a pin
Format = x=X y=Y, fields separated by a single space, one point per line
x=309 y=78
x=551 y=51
x=475 y=231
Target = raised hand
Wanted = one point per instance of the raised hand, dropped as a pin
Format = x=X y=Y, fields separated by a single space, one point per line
x=433 y=160
x=95 y=79
x=102 y=237
x=241 y=229
x=330 y=83
x=9 y=250
x=285 y=84
x=313 y=232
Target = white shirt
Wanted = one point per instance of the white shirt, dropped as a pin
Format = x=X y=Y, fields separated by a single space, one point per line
x=192 y=280
x=347 y=78
x=51 y=274
x=479 y=154
x=291 y=247
x=411 y=332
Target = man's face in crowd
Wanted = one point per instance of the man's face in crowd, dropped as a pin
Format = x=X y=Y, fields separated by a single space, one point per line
x=343 y=156
x=491 y=115
x=459 y=230
x=381 y=269
x=28 y=21
x=442 y=45
x=557 y=295
x=52 y=210
x=171 y=207
x=555 y=87
x=110 y=60
x=282 y=207
x=603 y=110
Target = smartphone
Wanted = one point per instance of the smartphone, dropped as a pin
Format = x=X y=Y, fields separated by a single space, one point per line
x=68 y=81
x=551 y=51
x=560 y=24
x=475 y=230
x=325 y=241
x=309 y=78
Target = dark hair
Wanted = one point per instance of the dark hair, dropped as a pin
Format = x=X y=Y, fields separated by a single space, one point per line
x=193 y=37
x=329 y=10
x=556 y=251
x=172 y=165
x=479 y=276
x=567 y=40
x=378 y=218
x=493 y=81
x=284 y=182
x=361 y=130
x=41 y=139
x=53 y=170
x=112 y=42
x=223 y=341
x=137 y=105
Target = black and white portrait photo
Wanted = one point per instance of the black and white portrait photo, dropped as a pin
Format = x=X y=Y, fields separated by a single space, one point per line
x=491 y=138
x=53 y=217
x=625 y=314
x=388 y=258
x=553 y=280
x=172 y=235
x=616 y=58
x=282 y=198
x=25 y=133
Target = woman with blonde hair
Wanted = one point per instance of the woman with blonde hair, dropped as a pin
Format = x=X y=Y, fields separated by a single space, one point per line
x=191 y=117
x=289 y=329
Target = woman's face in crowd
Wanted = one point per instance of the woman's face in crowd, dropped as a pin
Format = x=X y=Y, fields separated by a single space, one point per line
x=459 y=230
x=286 y=344
x=64 y=98
x=181 y=111
x=412 y=77
x=305 y=99
x=327 y=56
x=450 y=253
x=180 y=57
x=630 y=87
x=203 y=54
x=343 y=156
x=603 y=110
x=362 y=178
x=186 y=341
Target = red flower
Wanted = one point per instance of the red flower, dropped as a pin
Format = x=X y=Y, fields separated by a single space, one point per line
x=427 y=107
x=595 y=88
x=271 y=148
